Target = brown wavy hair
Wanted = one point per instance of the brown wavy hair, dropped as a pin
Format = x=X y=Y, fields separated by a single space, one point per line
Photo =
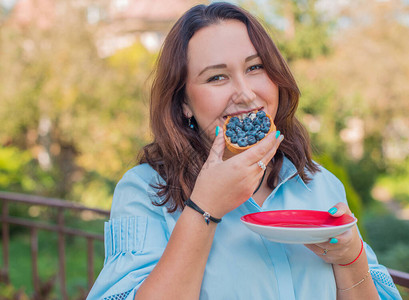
x=178 y=152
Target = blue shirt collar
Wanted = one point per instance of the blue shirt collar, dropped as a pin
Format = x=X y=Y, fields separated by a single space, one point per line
x=288 y=170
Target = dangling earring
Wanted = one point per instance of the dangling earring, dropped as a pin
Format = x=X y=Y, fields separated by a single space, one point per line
x=190 y=123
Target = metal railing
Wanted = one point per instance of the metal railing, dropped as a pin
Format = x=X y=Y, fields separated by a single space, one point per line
x=400 y=278
x=59 y=227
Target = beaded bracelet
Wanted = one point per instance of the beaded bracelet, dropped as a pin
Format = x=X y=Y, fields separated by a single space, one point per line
x=205 y=215
x=356 y=284
x=360 y=252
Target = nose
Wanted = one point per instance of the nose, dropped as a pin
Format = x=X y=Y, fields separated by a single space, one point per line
x=243 y=92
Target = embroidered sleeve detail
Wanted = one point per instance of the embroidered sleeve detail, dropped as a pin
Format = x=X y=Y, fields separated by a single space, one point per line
x=124 y=234
x=382 y=278
x=121 y=296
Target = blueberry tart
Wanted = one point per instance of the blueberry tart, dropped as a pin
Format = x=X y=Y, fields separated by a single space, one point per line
x=243 y=131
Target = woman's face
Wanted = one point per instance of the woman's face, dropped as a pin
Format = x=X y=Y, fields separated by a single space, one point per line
x=225 y=77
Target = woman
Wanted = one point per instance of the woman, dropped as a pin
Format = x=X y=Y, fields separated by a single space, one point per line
x=218 y=61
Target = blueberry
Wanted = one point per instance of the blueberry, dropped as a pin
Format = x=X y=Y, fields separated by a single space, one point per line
x=229 y=132
x=241 y=134
x=256 y=122
x=234 y=120
x=231 y=125
x=248 y=127
x=251 y=140
x=260 y=136
x=247 y=120
x=264 y=128
x=248 y=131
x=266 y=120
x=251 y=133
x=260 y=114
x=242 y=142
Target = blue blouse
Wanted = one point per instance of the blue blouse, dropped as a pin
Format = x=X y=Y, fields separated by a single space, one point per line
x=241 y=263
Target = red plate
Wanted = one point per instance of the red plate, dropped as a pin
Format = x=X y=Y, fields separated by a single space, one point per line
x=297 y=219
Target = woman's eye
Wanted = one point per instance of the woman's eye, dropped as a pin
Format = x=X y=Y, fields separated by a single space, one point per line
x=216 y=78
x=255 y=67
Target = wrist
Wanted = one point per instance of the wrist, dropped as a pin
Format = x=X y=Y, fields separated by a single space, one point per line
x=354 y=260
x=206 y=215
x=207 y=204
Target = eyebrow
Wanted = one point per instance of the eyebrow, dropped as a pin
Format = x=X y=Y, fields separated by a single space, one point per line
x=223 y=66
x=251 y=57
x=220 y=66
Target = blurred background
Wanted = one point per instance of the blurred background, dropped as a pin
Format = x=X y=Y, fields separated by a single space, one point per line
x=74 y=86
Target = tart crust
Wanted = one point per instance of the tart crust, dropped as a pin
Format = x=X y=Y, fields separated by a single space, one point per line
x=235 y=148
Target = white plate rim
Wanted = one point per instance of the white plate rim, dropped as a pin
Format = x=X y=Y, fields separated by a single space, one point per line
x=327 y=228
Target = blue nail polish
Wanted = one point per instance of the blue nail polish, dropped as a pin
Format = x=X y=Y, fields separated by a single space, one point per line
x=333 y=210
x=217 y=130
x=333 y=241
x=278 y=134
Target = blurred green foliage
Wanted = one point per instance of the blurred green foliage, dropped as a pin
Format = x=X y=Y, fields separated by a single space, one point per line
x=389 y=237
x=8 y=291
x=73 y=121
x=396 y=182
x=298 y=28
x=19 y=171
x=81 y=118
x=78 y=117
x=12 y=175
x=354 y=201
x=76 y=262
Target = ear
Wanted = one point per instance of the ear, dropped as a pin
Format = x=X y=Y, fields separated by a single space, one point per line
x=187 y=111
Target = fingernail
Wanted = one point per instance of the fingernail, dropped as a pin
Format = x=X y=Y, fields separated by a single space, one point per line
x=277 y=134
x=333 y=210
x=217 y=130
x=333 y=241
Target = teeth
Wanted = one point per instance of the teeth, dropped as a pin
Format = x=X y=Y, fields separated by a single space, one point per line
x=251 y=115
